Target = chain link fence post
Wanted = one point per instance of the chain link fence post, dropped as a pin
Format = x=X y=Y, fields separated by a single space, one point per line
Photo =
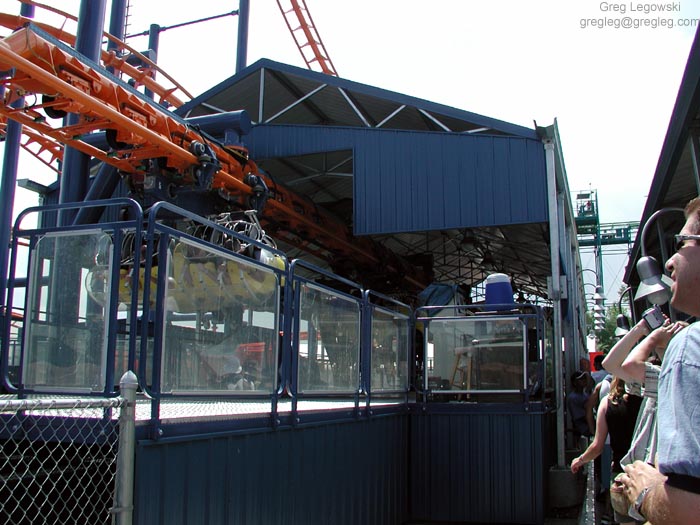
x=123 y=510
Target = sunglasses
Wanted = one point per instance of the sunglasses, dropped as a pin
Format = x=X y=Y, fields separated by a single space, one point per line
x=681 y=238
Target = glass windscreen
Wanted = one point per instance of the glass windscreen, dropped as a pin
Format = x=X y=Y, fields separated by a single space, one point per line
x=221 y=327
x=390 y=347
x=66 y=322
x=476 y=354
x=329 y=341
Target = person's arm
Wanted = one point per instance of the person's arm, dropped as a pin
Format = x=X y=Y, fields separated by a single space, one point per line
x=596 y=446
x=633 y=365
x=617 y=354
x=662 y=503
x=591 y=406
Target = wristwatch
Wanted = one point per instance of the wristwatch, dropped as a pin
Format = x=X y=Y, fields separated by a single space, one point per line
x=635 y=510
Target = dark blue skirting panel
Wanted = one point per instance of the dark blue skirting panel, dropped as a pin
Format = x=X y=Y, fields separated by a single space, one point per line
x=437 y=465
x=340 y=473
x=489 y=466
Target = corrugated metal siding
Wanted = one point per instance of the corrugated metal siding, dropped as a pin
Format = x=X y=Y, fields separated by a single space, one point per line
x=349 y=473
x=418 y=468
x=416 y=181
x=432 y=181
x=478 y=468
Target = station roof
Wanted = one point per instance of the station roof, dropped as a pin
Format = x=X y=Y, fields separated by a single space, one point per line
x=280 y=98
x=675 y=180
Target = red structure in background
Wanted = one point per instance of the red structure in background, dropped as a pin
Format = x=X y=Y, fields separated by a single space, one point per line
x=591 y=357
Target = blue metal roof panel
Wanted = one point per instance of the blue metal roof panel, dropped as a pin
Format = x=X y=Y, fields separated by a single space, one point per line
x=674 y=182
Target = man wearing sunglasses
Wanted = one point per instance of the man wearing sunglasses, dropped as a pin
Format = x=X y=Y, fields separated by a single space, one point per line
x=670 y=493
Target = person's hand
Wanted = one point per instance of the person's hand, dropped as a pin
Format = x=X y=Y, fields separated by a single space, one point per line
x=663 y=334
x=617 y=487
x=637 y=476
x=576 y=464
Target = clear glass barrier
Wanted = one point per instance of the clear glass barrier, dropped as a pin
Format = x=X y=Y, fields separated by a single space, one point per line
x=390 y=346
x=65 y=321
x=476 y=354
x=329 y=341
x=221 y=329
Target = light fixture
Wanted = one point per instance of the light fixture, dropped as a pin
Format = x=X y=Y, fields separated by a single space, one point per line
x=599 y=295
x=599 y=308
x=654 y=285
x=627 y=291
x=622 y=322
x=623 y=325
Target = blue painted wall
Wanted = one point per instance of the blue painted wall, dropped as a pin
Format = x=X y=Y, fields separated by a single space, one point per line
x=407 y=181
x=480 y=467
x=472 y=465
x=416 y=181
x=340 y=473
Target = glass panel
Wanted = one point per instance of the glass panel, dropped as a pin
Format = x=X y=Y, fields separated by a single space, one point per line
x=329 y=342
x=65 y=325
x=535 y=356
x=221 y=331
x=390 y=343
x=476 y=354
x=549 y=354
x=132 y=277
x=121 y=354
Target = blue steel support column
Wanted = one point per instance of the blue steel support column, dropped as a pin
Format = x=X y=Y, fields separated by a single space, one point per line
x=242 y=47
x=75 y=168
x=103 y=187
x=107 y=177
x=8 y=181
x=117 y=22
x=7 y=194
x=153 y=43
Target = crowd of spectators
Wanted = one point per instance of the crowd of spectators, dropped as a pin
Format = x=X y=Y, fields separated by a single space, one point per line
x=655 y=438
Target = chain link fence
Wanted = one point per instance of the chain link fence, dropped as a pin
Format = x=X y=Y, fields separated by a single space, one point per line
x=60 y=461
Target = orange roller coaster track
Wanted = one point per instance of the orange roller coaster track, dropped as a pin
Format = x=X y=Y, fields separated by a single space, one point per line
x=305 y=35
x=146 y=136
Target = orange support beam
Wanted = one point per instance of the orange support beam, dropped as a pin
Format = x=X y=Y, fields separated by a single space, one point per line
x=142 y=131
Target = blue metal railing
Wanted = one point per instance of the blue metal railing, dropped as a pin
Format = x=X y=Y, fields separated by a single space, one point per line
x=48 y=311
x=136 y=308
x=315 y=341
x=472 y=341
